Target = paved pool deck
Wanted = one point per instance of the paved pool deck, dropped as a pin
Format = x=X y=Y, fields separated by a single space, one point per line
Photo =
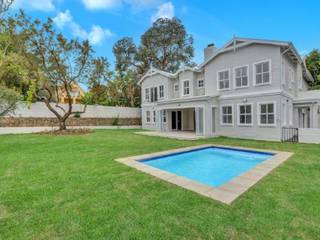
x=228 y=192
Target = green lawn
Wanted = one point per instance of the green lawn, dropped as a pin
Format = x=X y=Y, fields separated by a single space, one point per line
x=70 y=187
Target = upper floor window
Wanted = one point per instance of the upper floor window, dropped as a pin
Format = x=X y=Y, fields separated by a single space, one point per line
x=226 y=115
x=224 y=80
x=200 y=83
x=148 y=117
x=154 y=94
x=245 y=114
x=241 y=77
x=186 y=87
x=262 y=73
x=266 y=113
x=147 y=94
x=161 y=91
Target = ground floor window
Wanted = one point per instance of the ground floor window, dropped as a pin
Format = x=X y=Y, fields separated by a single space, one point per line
x=226 y=115
x=267 y=114
x=154 y=116
x=164 y=117
x=245 y=114
x=148 y=117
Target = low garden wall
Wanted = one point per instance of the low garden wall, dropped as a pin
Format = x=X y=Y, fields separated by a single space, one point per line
x=38 y=115
x=52 y=122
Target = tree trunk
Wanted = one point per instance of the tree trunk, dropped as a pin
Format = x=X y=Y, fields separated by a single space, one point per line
x=62 y=125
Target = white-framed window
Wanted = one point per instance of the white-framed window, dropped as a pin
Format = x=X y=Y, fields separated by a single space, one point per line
x=186 y=88
x=224 y=79
x=262 y=72
x=245 y=114
x=176 y=87
x=267 y=114
x=154 y=119
x=226 y=113
x=148 y=117
x=200 y=83
x=154 y=94
x=164 y=116
x=161 y=91
x=241 y=76
x=147 y=95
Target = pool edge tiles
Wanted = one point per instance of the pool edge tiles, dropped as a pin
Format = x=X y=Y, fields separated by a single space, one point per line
x=225 y=193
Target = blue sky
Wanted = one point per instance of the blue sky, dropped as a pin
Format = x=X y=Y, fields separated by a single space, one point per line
x=103 y=22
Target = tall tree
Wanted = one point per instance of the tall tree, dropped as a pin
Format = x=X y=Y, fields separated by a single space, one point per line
x=313 y=64
x=62 y=63
x=166 y=45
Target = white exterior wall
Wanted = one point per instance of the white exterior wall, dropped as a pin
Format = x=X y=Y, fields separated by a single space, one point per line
x=282 y=91
x=241 y=57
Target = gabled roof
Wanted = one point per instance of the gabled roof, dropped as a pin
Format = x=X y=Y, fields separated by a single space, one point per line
x=154 y=71
x=232 y=45
x=238 y=42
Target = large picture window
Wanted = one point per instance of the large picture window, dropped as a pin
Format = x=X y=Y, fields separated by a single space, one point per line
x=224 y=80
x=226 y=115
x=245 y=114
x=241 y=76
x=262 y=73
x=267 y=114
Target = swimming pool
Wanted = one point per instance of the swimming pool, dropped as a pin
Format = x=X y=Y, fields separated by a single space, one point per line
x=221 y=173
x=213 y=166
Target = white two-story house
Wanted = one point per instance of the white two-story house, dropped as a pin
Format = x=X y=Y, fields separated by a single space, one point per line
x=249 y=88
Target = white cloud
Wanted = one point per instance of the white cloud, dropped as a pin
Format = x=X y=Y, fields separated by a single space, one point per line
x=109 y=4
x=101 y=4
x=165 y=10
x=39 y=5
x=96 y=35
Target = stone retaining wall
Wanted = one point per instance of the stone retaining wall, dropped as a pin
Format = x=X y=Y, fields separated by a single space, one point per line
x=49 y=122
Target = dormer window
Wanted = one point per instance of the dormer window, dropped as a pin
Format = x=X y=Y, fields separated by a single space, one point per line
x=147 y=95
x=224 y=80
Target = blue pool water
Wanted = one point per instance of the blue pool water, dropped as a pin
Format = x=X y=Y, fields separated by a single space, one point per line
x=212 y=166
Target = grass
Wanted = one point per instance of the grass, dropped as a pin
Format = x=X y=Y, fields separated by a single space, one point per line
x=70 y=187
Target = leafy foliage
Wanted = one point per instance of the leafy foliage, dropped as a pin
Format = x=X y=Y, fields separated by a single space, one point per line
x=57 y=62
x=8 y=100
x=165 y=45
x=313 y=64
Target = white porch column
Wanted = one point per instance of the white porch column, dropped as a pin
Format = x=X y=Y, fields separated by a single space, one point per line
x=158 y=120
x=199 y=112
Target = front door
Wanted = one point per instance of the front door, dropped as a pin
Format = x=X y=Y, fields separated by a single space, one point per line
x=176 y=120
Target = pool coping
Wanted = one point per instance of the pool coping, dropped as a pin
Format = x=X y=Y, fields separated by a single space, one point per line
x=226 y=193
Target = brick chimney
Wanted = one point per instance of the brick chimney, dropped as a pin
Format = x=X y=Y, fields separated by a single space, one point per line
x=209 y=51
